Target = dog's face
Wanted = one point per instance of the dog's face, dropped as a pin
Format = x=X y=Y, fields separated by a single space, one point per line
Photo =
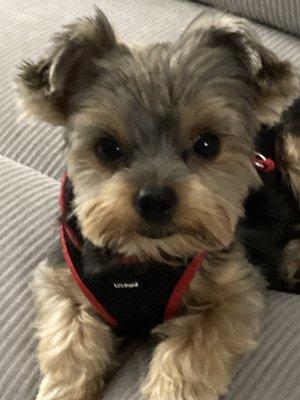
x=160 y=137
x=160 y=153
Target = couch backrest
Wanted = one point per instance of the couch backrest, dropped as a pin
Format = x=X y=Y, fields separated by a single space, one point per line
x=281 y=14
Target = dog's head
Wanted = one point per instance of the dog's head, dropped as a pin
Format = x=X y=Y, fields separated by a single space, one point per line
x=160 y=137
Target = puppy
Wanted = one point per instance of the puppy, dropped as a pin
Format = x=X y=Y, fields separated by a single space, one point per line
x=160 y=161
x=270 y=229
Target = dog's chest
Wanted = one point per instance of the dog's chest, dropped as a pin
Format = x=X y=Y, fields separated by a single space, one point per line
x=130 y=296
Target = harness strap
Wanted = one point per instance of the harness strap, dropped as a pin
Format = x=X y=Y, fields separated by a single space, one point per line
x=88 y=294
x=182 y=286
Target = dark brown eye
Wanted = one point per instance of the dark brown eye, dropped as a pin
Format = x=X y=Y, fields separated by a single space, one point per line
x=207 y=145
x=107 y=149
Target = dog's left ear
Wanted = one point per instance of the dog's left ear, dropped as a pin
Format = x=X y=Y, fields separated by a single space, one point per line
x=276 y=82
x=46 y=88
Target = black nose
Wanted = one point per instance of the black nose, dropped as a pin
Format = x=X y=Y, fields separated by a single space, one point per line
x=156 y=204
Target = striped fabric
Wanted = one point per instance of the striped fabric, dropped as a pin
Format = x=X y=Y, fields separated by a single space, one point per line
x=282 y=14
x=31 y=161
x=28 y=211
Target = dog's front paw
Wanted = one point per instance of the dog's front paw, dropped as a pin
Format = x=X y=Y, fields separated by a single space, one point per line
x=173 y=377
x=165 y=387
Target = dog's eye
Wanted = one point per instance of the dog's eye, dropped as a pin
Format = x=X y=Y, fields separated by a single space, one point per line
x=207 y=145
x=108 y=150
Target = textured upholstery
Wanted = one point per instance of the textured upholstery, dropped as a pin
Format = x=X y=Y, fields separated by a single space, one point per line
x=282 y=14
x=28 y=211
x=31 y=161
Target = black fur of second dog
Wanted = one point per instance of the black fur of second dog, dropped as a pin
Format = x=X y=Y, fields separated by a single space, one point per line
x=272 y=212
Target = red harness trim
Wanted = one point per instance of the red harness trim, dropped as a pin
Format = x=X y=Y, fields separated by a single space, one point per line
x=71 y=234
x=98 y=307
x=182 y=286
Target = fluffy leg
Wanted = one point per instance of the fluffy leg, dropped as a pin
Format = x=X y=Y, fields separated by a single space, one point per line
x=75 y=349
x=288 y=154
x=196 y=356
x=290 y=266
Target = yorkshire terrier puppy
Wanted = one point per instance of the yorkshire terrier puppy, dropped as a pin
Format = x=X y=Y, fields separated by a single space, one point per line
x=161 y=142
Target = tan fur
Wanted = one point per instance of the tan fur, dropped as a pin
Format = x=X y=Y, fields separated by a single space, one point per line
x=278 y=96
x=196 y=356
x=31 y=105
x=109 y=216
x=231 y=24
x=278 y=88
x=291 y=148
x=203 y=219
x=75 y=349
x=110 y=122
x=290 y=265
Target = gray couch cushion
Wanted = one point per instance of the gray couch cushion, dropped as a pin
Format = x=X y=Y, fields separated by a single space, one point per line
x=282 y=14
x=28 y=215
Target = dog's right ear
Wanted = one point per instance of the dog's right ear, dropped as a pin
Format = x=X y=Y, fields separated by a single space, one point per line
x=46 y=88
x=275 y=81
